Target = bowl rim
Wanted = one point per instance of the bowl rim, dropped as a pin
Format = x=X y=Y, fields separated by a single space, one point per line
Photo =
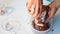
x=41 y=31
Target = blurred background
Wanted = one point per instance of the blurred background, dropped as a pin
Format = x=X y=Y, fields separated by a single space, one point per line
x=20 y=14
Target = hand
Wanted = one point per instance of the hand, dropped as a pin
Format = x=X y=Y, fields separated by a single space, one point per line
x=52 y=11
x=34 y=7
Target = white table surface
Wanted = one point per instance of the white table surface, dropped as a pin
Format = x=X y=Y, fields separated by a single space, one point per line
x=20 y=14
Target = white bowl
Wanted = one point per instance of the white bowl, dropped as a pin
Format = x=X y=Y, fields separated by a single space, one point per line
x=40 y=32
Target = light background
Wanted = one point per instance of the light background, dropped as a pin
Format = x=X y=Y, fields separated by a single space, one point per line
x=20 y=14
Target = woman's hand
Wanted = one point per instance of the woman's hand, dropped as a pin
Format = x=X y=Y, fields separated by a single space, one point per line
x=34 y=7
x=53 y=9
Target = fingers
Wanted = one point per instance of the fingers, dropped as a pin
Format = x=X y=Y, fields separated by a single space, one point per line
x=38 y=8
x=51 y=13
x=29 y=3
x=54 y=7
x=34 y=7
x=31 y=11
x=40 y=15
x=41 y=6
x=31 y=7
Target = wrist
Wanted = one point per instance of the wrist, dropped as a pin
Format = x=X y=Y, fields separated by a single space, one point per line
x=55 y=4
